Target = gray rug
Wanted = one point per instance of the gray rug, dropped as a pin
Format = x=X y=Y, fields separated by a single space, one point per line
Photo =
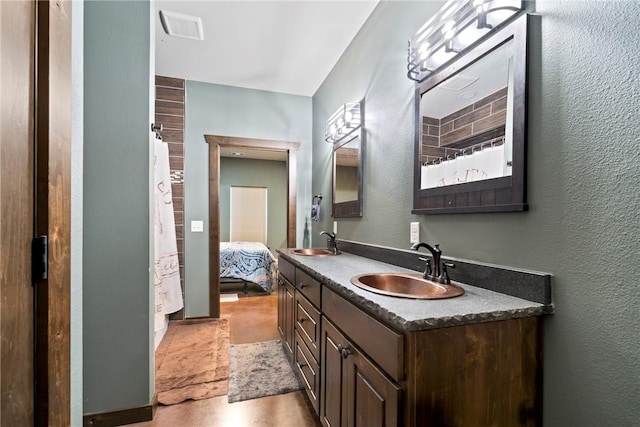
x=259 y=369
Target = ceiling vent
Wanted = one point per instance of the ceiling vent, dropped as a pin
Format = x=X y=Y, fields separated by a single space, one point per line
x=179 y=25
x=458 y=82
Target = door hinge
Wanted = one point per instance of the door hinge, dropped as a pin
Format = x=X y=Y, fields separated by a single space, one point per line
x=39 y=258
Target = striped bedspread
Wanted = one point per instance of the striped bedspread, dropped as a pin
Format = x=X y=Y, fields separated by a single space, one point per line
x=250 y=261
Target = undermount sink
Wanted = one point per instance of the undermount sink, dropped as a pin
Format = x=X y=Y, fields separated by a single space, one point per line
x=315 y=252
x=405 y=286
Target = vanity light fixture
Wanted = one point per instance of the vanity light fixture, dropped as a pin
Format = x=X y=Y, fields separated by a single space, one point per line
x=456 y=27
x=344 y=122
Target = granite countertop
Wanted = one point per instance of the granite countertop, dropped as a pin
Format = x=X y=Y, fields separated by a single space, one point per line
x=475 y=306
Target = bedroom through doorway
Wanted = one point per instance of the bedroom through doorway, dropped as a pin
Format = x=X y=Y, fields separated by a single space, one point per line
x=224 y=153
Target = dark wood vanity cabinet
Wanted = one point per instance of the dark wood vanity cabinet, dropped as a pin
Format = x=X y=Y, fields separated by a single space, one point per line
x=354 y=390
x=299 y=325
x=286 y=306
x=358 y=371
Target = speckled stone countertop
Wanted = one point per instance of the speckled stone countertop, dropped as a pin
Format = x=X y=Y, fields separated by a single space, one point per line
x=475 y=306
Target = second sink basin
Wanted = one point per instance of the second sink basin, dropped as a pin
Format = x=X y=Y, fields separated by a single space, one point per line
x=405 y=286
x=314 y=252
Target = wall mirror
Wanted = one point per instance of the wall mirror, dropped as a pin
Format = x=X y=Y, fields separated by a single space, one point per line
x=347 y=177
x=470 y=136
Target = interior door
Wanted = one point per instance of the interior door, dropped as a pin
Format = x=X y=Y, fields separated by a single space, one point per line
x=17 y=52
x=35 y=135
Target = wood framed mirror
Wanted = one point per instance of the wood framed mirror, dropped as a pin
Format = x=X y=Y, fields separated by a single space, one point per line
x=470 y=129
x=348 y=177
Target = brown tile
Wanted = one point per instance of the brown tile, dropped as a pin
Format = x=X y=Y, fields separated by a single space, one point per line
x=179 y=216
x=176 y=163
x=430 y=121
x=432 y=151
x=430 y=140
x=499 y=105
x=493 y=121
x=170 y=82
x=170 y=122
x=175 y=149
x=169 y=94
x=177 y=190
x=434 y=130
x=456 y=135
x=168 y=107
x=178 y=204
x=179 y=232
x=446 y=127
x=173 y=136
x=456 y=114
x=473 y=116
x=491 y=97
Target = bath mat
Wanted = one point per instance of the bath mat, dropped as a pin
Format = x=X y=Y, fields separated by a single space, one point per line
x=192 y=361
x=258 y=370
x=228 y=297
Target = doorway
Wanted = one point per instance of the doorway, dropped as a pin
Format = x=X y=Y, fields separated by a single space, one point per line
x=215 y=143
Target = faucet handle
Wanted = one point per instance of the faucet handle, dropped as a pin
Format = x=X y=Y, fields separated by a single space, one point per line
x=444 y=276
x=427 y=271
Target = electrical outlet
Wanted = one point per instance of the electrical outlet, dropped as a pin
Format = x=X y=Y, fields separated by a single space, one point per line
x=335 y=227
x=414 y=231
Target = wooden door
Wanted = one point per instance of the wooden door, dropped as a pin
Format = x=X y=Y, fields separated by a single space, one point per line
x=331 y=373
x=35 y=133
x=289 y=307
x=281 y=306
x=17 y=51
x=372 y=400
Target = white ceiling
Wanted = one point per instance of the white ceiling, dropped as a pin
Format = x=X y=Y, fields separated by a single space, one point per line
x=280 y=46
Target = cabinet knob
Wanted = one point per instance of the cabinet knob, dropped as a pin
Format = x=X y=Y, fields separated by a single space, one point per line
x=281 y=282
x=302 y=285
x=301 y=320
x=344 y=351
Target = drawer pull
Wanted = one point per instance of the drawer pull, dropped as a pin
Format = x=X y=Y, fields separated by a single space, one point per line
x=301 y=365
x=302 y=320
x=302 y=285
x=280 y=282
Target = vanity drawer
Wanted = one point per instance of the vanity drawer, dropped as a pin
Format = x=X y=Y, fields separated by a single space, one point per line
x=287 y=269
x=381 y=344
x=308 y=324
x=309 y=370
x=309 y=287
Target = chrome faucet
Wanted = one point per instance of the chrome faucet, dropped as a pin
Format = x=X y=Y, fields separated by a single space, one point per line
x=439 y=271
x=332 y=245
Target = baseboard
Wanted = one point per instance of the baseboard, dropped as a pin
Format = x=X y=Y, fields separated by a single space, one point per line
x=122 y=416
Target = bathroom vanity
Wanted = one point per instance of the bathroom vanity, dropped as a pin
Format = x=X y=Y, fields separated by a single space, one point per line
x=375 y=360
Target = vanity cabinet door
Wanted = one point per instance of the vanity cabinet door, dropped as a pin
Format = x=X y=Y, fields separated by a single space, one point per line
x=332 y=344
x=354 y=391
x=286 y=312
x=372 y=399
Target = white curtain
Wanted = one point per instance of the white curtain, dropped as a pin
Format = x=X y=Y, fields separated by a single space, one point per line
x=168 y=294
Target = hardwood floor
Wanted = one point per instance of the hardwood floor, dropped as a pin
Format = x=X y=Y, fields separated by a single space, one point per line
x=251 y=319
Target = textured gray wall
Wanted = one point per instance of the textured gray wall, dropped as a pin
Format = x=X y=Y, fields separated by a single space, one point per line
x=232 y=111
x=583 y=183
x=257 y=173
x=116 y=280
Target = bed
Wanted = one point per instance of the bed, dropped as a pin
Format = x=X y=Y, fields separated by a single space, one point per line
x=249 y=262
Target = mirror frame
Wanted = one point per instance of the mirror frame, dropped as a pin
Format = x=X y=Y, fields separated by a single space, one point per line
x=353 y=208
x=503 y=194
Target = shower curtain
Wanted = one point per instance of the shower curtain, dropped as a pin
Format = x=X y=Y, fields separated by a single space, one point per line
x=168 y=294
